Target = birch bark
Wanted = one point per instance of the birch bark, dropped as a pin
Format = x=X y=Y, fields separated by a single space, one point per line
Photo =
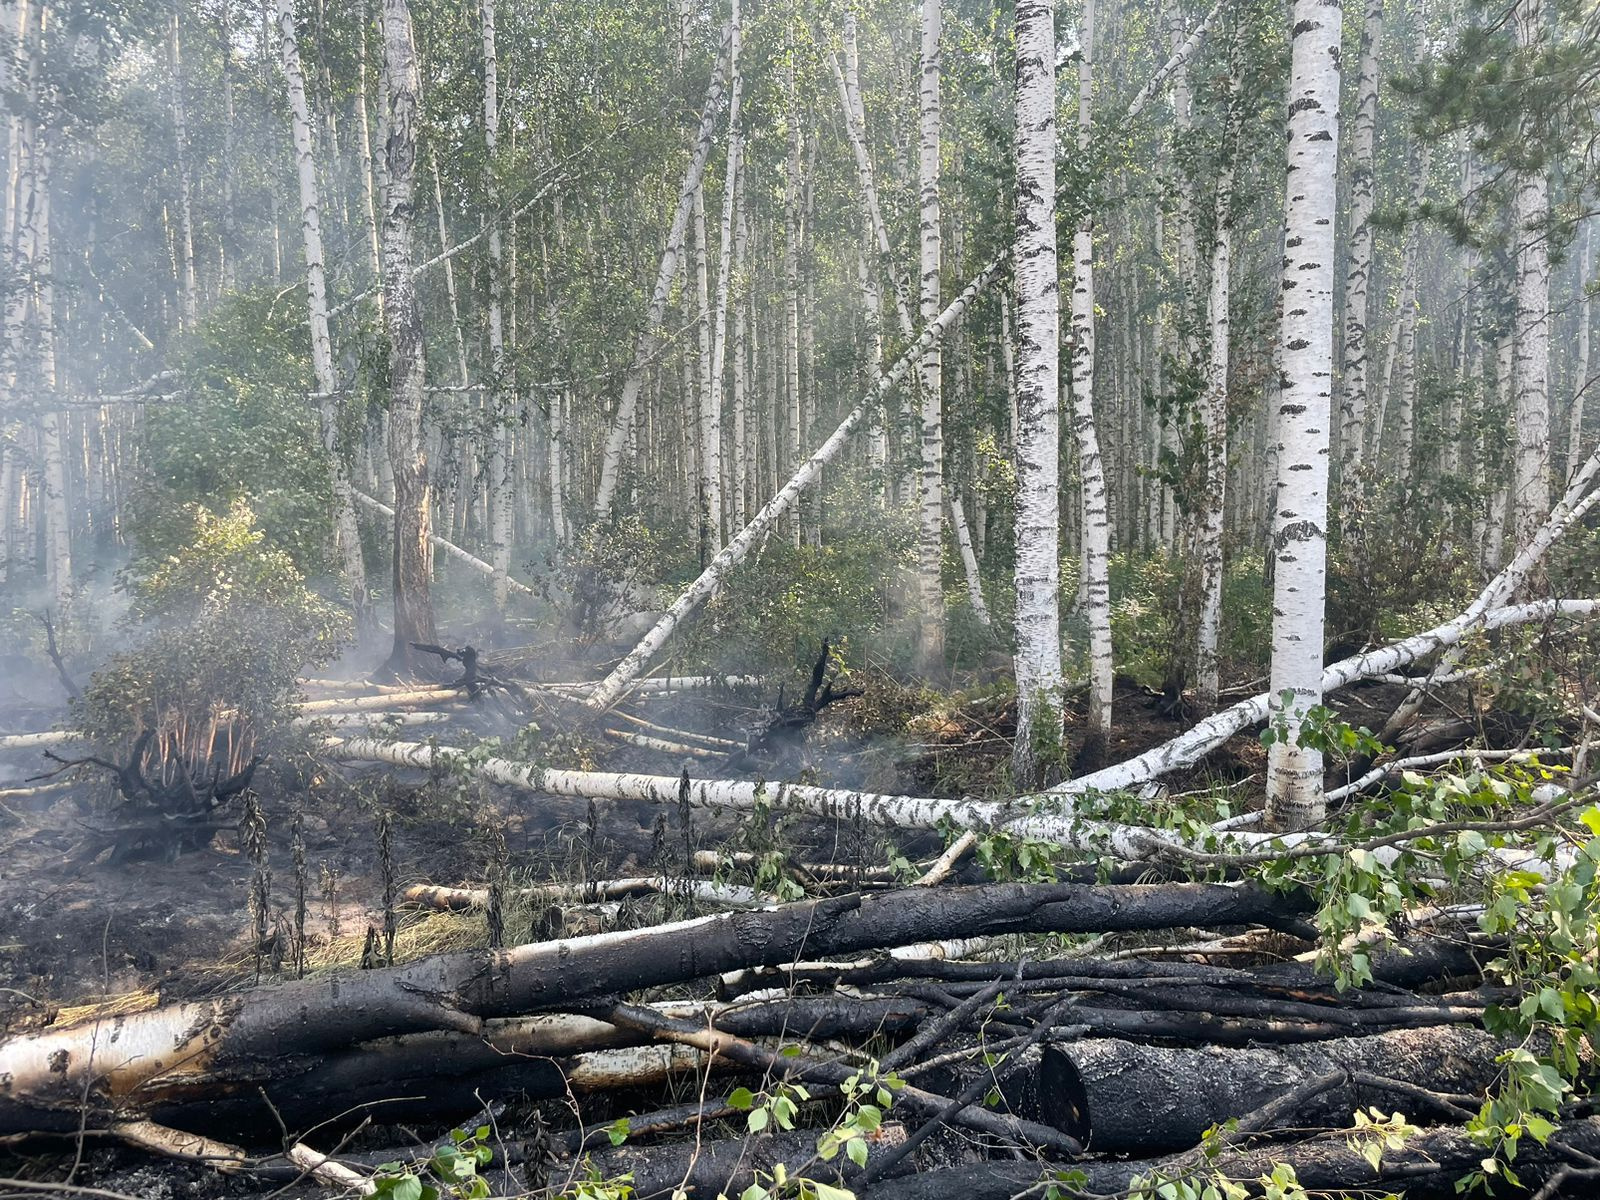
x=346 y=535
x=180 y=130
x=1037 y=664
x=1214 y=416
x=501 y=397
x=413 y=548
x=727 y=263
x=1581 y=380
x=1096 y=536
x=1353 y=380
x=1530 y=487
x=930 y=540
x=1299 y=535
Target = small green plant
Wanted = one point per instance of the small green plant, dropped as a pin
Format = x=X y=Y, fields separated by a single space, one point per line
x=451 y=1172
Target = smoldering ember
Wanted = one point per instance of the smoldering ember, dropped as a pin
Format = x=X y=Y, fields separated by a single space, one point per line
x=799 y=599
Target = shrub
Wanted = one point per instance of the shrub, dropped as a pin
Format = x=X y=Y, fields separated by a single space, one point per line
x=224 y=627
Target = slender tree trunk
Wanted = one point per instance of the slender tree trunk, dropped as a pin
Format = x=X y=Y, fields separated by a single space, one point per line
x=180 y=129
x=791 y=285
x=633 y=664
x=346 y=536
x=1353 y=381
x=1036 y=751
x=230 y=213
x=57 y=501
x=727 y=263
x=1299 y=535
x=1214 y=417
x=710 y=458
x=743 y=427
x=644 y=351
x=502 y=400
x=1406 y=432
x=1581 y=381
x=413 y=551
x=368 y=165
x=1530 y=495
x=930 y=540
x=1096 y=528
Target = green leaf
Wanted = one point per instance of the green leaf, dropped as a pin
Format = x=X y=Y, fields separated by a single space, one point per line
x=741 y=1098
x=856 y=1149
x=407 y=1187
x=757 y=1120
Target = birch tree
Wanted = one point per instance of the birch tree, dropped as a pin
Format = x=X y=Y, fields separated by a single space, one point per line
x=930 y=524
x=1096 y=581
x=666 y=274
x=346 y=535
x=1300 y=500
x=1214 y=418
x=1530 y=486
x=1038 y=338
x=402 y=317
x=1581 y=379
x=502 y=400
x=1362 y=190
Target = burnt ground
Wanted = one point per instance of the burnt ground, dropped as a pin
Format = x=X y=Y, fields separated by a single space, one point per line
x=133 y=930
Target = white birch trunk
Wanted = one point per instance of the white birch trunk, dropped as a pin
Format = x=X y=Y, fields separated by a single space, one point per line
x=1037 y=664
x=710 y=405
x=1214 y=417
x=969 y=560
x=1530 y=487
x=1406 y=417
x=1581 y=380
x=411 y=579
x=180 y=129
x=743 y=427
x=502 y=399
x=367 y=166
x=644 y=351
x=633 y=665
x=930 y=540
x=1299 y=535
x=57 y=502
x=1358 y=274
x=727 y=263
x=791 y=284
x=1096 y=525
x=848 y=82
x=346 y=536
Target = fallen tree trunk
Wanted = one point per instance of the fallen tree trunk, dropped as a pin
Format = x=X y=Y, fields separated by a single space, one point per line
x=447 y=1075
x=133 y=1063
x=1117 y=1096
x=1194 y=744
x=450 y=548
x=463 y=899
x=1427 y=1168
x=633 y=665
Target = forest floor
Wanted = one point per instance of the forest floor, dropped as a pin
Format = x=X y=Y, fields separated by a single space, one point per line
x=137 y=926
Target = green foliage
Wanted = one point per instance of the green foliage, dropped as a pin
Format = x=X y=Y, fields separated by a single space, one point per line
x=868 y=1094
x=451 y=1172
x=1143 y=615
x=224 y=628
x=242 y=428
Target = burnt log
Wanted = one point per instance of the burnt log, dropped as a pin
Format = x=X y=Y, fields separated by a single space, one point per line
x=1119 y=1096
x=1428 y=1168
x=135 y=1063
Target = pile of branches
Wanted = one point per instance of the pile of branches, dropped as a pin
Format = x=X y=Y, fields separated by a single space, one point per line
x=837 y=1039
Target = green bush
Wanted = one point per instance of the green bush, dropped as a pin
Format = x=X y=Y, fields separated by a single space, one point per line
x=223 y=627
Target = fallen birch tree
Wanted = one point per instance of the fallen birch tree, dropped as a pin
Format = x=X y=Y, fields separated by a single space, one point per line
x=439 y=543
x=632 y=666
x=179 y=1056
